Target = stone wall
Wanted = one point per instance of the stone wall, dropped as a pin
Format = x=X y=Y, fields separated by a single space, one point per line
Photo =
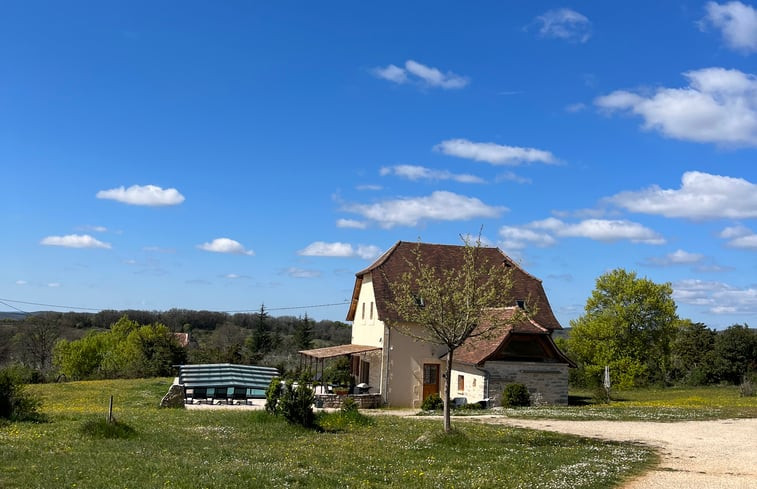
x=547 y=382
x=363 y=401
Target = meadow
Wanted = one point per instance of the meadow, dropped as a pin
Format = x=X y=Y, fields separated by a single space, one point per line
x=223 y=448
x=657 y=404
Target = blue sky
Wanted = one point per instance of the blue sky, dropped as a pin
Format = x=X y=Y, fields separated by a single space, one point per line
x=220 y=155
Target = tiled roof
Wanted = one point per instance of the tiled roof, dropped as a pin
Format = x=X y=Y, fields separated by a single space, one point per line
x=478 y=349
x=393 y=264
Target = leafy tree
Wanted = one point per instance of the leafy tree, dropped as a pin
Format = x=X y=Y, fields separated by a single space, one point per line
x=692 y=359
x=444 y=305
x=735 y=353
x=629 y=323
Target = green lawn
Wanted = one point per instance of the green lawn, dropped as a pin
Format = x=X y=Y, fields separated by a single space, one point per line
x=222 y=449
x=670 y=404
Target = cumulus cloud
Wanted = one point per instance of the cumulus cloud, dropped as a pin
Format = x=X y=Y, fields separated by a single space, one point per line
x=225 y=245
x=717 y=297
x=351 y=224
x=701 y=196
x=736 y=22
x=414 y=173
x=439 y=206
x=678 y=257
x=415 y=72
x=565 y=24
x=337 y=249
x=149 y=195
x=718 y=106
x=74 y=241
x=545 y=232
x=740 y=237
x=493 y=153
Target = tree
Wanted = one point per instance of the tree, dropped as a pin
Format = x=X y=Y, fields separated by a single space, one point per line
x=303 y=333
x=735 y=353
x=444 y=305
x=36 y=339
x=262 y=341
x=629 y=324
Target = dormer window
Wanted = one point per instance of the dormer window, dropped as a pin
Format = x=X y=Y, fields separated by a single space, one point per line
x=419 y=301
x=521 y=304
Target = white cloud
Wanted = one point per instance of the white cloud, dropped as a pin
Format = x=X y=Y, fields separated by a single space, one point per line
x=295 y=272
x=149 y=195
x=544 y=233
x=493 y=153
x=94 y=229
x=414 y=172
x=607 y=230
x=54 y=285
x=392 y=73
x=369 y=187
x=740 y=237
x=678 y=257
x=368 y=252
x=565 y=24
x=515 y=238
x=351 y=224
x=74 y=241
x=511 y=177
x=420 y=73
x=21 y=282
x=717 y=297
x=235 y=276
x=718 y=106
x=439 y=206
x=737 y=23
x=701 y=196
x=225 y=245
x=342 y=250
x=320 y=248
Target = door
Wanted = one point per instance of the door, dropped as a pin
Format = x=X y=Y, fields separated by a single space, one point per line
x=430 y=379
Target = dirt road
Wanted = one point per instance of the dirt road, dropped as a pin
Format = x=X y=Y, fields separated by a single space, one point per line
x=695 y=454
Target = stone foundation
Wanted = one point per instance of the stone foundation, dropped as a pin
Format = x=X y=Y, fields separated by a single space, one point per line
x=547 y=382
x=363 y=401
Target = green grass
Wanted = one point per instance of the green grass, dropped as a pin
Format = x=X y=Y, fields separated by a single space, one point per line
x=670 y=404
x=221 y=449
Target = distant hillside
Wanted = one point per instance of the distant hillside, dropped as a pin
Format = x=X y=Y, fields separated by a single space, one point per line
x=12 y=315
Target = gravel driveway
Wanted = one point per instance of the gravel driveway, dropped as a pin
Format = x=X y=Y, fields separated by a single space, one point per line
x=694 y=454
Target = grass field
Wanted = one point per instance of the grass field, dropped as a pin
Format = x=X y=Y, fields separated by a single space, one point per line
x=221 y=449
x=670 y=404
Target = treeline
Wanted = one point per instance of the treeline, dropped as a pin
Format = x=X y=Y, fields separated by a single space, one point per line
x=630 y=324
x=135 y=343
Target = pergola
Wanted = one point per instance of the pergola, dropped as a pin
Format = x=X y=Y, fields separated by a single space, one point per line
x=319 y=355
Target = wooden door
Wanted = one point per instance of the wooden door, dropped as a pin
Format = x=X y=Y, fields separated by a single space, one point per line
x=430 y=379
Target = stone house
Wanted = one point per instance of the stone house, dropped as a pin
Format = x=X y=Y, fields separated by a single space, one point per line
x=404 y=370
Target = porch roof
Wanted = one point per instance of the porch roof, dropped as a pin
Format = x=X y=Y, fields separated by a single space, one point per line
x=337 y=351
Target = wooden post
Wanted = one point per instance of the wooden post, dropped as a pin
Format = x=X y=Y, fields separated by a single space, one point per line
x=110 y=410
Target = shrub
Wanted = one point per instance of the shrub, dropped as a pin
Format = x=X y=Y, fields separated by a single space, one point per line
x=515 y=395
x=349 y=405
x=432 y=403
x=296 y=404
x=15 y=404
x=273 y=396
x=102 y=428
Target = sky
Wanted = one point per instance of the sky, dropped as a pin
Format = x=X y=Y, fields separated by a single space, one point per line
x=224 y=155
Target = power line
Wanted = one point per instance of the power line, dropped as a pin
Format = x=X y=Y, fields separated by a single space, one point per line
x=312 y=306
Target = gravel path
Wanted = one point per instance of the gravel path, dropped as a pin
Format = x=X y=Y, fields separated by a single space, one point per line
x=694 y=454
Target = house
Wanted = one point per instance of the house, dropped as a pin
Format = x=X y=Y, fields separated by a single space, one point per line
x=405 y=370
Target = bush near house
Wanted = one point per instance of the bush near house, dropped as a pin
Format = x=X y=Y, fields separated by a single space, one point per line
x=516 y=395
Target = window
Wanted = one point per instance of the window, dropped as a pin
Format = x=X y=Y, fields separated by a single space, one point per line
x=460 y=383
x=371 y=310
x=363 y=316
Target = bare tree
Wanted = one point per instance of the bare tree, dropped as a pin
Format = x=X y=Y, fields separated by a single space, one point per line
x=445 y=305
x=36 y=339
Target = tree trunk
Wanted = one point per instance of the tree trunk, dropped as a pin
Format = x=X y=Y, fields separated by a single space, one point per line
x=447 y=384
